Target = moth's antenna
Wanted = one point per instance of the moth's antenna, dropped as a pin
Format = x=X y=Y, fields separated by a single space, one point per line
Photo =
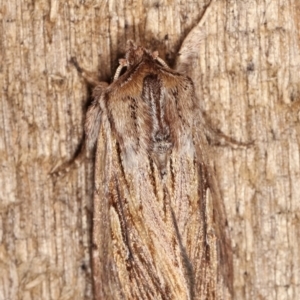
x=123 y=63
x=161 y=61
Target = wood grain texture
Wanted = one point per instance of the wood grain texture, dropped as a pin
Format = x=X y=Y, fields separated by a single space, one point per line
x=247 y=83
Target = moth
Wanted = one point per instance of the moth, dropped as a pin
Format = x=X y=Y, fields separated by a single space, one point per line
x=159 y=227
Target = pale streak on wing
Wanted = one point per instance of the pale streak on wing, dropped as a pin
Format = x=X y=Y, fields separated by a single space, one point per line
x=106 y=282
x=216 y=216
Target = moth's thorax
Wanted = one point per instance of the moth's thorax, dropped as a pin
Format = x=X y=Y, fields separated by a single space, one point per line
x=145 y=106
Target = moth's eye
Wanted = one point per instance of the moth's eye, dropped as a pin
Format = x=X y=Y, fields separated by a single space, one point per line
x=133 y=56
x=130 y=57
x=139 y=52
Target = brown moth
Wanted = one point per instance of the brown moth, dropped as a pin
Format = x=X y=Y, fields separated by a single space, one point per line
x=159 y=227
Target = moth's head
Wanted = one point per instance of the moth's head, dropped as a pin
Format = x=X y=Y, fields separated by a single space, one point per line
x=134 y=53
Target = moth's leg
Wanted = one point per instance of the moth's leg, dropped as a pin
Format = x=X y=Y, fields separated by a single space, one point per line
x=90 y=77
x=61 y=169
x=217 y=137
x=92 y=124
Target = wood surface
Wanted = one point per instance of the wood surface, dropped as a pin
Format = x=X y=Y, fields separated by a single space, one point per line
x=247 y=79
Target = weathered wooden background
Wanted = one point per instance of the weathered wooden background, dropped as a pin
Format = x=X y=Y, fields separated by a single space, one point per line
x=248 y=82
